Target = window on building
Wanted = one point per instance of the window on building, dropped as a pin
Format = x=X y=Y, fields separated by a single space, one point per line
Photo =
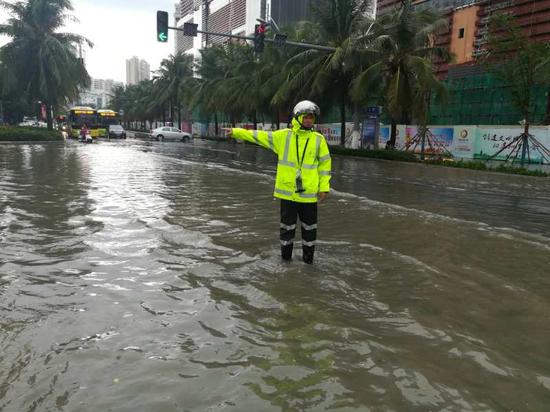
x=461 y=33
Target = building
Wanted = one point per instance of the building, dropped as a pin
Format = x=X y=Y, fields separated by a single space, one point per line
x=468 y=22
x=232 y=17
x=98 y=95
x=286 y=12
x=476 y=96
x=137 y=70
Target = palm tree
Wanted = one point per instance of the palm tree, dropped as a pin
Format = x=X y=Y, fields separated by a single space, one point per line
x=211 y=69
x=118 y=98
x=521 y=64
x=44 y=59
x=327 y=76
x=401 y=47
x=173 y=74
x=140 y=103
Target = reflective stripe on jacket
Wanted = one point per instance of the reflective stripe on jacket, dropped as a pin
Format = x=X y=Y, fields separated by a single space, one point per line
x=315 y=170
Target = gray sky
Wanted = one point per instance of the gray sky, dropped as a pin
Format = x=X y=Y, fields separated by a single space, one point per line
x=119 y=30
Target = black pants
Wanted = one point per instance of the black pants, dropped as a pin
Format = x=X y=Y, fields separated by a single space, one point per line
x=308 y=219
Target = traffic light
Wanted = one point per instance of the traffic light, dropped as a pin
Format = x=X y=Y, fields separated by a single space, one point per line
x=162 y=26
x=259 y=38
x=190 y=29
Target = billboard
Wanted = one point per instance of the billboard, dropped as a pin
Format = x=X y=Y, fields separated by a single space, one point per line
x=491 y=139
x=438 y=139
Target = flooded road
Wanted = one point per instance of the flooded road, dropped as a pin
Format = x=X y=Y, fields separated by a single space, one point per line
x=147 y=277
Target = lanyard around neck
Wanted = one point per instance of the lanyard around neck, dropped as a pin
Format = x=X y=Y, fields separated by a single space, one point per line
x=301 y=162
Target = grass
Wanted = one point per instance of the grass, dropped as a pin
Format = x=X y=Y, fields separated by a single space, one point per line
x=25 y=134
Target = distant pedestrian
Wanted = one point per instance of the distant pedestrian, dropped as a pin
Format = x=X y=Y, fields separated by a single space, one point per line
x=303 y=174
x=84 y=131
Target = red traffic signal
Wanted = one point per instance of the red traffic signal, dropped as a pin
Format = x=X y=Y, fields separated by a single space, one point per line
x=259 y=37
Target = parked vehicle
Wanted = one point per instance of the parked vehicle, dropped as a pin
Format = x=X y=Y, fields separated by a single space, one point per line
x=170 y=133
x=117 y=131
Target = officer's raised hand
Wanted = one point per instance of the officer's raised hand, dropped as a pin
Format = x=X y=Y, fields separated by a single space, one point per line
x=227 y=131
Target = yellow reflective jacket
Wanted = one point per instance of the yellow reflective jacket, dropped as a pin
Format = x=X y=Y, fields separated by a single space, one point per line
x=312 y=148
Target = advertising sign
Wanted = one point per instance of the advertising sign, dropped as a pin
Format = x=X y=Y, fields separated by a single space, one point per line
x=491 y=139
x=369 y=132
x=437 y=140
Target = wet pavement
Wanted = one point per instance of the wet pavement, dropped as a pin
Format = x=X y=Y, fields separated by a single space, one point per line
x=138 y=276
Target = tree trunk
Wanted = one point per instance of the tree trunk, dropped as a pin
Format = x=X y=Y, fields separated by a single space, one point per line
x=216 y=124
x=525 y=140
x=275 y=119
x=422 y=131
x=356 y=133
x=343 y=124
x=393 y=134
x=49 y=119
x=178 y=108
x=255 y=119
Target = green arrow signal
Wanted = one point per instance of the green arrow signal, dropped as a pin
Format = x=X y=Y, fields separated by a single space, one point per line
x=162 y=36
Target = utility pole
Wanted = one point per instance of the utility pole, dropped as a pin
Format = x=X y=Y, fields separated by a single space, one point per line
x=206 y=15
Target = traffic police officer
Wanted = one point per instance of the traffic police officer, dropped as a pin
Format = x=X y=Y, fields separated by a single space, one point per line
x=303 y=174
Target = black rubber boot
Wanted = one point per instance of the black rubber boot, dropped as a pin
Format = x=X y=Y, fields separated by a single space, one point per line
x=307 y=254
x=286 y=252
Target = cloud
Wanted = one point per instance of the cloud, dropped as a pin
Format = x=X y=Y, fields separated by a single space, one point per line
x=119 y=30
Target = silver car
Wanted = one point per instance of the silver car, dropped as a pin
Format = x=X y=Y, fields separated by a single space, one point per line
x=170 y=133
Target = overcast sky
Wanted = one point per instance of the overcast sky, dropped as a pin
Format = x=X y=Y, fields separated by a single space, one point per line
x=119 y=30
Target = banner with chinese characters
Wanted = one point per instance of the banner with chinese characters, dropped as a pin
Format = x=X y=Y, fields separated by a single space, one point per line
x=331 y=131
x=491 y=139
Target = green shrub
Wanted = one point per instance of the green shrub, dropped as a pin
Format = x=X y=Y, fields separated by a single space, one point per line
x=479 y=165
x=375 y=154
x=519 y=171
x=410 y=157
x=22 y=134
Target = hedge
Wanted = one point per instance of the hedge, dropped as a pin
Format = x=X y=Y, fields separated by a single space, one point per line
x=22 y=134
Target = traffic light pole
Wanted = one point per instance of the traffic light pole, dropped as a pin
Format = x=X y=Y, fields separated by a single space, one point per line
x=289 y=43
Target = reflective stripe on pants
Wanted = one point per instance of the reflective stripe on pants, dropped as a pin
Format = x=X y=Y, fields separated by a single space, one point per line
x=307 y=212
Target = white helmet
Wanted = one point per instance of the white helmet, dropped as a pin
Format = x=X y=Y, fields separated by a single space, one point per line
x=305 y=107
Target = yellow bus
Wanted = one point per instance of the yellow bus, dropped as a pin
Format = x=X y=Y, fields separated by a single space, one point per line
x=106 y=117
x=79 y=116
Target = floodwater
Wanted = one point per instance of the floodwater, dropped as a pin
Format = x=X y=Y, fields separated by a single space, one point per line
x=140 y=276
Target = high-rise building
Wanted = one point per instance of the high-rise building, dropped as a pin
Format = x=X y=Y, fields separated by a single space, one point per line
x=137 y=70
x=99 y=93
x=232 y=17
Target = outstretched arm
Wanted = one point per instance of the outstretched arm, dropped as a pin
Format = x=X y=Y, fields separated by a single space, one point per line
x=264 y=139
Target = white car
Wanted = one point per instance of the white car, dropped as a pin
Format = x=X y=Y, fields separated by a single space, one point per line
x=170 y=133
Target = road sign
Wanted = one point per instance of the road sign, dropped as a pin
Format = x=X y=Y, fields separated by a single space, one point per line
x=162 y=26
x=190 y=29
x=373 y=110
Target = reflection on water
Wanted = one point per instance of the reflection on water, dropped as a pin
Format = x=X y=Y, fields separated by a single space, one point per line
x=141 y=276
